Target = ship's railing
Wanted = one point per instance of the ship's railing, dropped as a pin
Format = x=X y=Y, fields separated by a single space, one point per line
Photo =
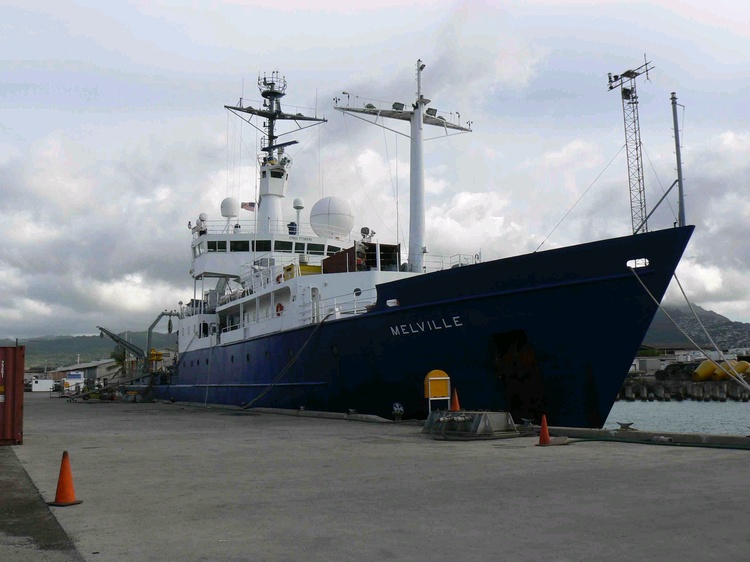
x=272 y=269
x=249 y=328
x=267 y=272
x=340 y=306
x=246 y=226
x=433 y=262
x=335 y=307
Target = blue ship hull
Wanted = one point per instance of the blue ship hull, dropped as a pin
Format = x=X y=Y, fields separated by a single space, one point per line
x=552 y=333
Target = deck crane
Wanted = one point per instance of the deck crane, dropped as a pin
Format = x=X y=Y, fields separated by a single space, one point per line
x=146 y=359
x=627 y=84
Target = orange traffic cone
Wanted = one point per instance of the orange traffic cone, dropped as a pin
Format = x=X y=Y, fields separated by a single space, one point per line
x=455 y=406
x=544 y=432
x=65 y=495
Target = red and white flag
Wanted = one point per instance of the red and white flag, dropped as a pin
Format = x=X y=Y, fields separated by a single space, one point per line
x=249 y=206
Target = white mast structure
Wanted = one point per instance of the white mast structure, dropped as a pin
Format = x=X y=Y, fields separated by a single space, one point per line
x=678 y=154
x=418 y=117
x=274 y=165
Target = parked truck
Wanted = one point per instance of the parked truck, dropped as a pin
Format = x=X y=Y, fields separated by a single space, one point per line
x=42 y=385
x=73 y=383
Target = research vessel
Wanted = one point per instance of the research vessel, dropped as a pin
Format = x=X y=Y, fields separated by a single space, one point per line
x=319 y=315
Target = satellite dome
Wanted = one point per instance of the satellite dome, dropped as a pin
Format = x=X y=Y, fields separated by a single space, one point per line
x=298 y=204
x=331 y=217
x=203 y=217
x=230 y=207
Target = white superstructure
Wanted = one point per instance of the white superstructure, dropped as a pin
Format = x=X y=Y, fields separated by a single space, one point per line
x=254 y=277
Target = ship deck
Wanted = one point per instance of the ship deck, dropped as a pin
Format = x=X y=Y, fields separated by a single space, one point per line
x=166 y=481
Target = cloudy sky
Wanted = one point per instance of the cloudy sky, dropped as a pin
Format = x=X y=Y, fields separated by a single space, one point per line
x=113 y=135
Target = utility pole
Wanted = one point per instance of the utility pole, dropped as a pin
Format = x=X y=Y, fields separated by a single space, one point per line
x=627 y=84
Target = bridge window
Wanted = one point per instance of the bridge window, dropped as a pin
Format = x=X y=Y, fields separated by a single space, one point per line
x=283 y=246
x=299 y=247
x=239 y=246
x=261 y=245
x=315 y=249
x=217 y=245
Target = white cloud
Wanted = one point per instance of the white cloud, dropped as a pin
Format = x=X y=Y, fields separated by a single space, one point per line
x=480 y=52
x=473 y=222
x=11 y=278
x=107 y=150
x=576 y=154
x=134 y=294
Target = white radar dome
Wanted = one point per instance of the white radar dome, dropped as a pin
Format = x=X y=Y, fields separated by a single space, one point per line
x=331 y=217
x=230 y=207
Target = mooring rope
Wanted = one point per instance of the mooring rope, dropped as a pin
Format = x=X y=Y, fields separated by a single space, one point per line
x=288 y=365
x=734 y=375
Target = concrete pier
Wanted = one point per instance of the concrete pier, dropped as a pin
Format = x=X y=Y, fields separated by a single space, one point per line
x=167 y=482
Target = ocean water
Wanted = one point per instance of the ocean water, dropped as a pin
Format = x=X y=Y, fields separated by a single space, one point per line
x=727 y=418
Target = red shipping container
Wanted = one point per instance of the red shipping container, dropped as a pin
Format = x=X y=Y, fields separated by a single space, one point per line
x=11 y=394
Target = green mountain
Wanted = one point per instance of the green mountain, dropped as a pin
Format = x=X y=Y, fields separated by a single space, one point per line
x=726 y=333
x=62 y=351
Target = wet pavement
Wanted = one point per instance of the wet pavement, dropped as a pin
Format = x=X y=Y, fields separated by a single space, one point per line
x=170 y=482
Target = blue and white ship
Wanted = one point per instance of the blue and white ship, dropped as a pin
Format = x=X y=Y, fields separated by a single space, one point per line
x=309 y=315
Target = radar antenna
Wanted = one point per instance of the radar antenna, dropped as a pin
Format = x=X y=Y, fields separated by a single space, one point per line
x=274 y=164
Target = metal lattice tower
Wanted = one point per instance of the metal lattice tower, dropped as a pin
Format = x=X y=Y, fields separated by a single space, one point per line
x=626 y=82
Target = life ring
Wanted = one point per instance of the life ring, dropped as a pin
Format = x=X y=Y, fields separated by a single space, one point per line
x=278 y=278
x=279 y=309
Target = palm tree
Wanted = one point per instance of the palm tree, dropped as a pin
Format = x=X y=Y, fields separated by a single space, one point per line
x=120 y=367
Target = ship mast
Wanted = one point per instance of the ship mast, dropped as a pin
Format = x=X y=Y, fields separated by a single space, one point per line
x=417 y=117
x=678 y=154
x=274 y=164
x=626 y=82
